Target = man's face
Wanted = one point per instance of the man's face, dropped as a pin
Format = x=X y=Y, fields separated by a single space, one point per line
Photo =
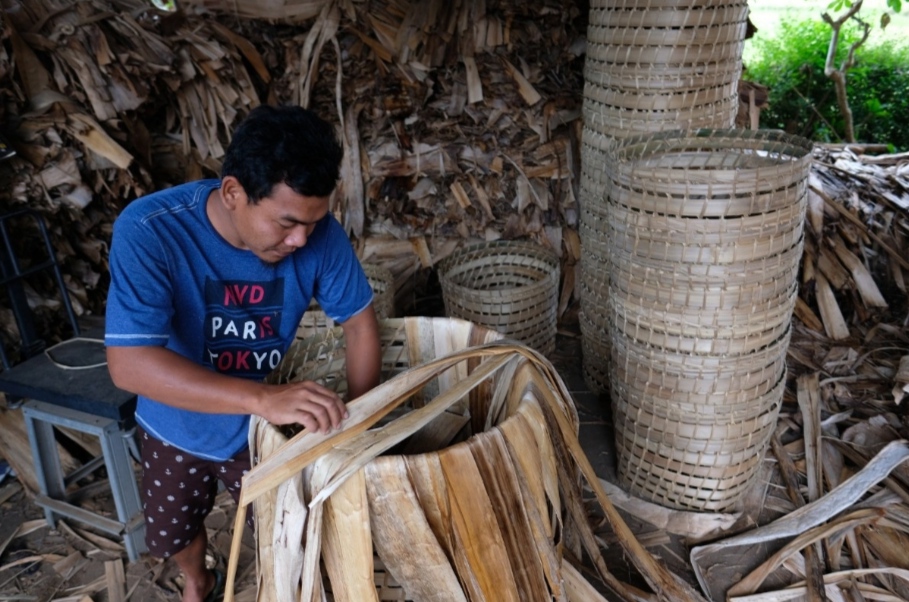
x=278 y=224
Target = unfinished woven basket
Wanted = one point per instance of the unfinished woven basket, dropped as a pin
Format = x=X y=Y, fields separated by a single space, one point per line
x=703 y=232
x=471 y=502
x=509 y=286
x=380 y=280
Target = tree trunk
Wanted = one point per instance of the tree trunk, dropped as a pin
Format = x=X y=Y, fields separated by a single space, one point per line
x=838 y=75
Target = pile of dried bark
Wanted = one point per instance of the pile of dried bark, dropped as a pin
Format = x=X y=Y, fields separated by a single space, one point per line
x=458 y=121
x=104 y=102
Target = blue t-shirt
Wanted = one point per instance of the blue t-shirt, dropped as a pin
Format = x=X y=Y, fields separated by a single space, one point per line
x=175 y=282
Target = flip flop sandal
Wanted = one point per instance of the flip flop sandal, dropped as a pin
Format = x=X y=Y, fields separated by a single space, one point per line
x=217 y=592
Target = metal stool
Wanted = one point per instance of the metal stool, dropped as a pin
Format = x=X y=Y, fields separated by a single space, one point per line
x=68 y=386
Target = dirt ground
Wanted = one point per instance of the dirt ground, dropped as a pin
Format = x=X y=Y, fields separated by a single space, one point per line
x=69 y=563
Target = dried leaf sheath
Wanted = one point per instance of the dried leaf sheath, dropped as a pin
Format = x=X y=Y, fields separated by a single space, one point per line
x=497 y=471
x=401 y=530
x=479 y=549
x=347 y=545
x=284 y=502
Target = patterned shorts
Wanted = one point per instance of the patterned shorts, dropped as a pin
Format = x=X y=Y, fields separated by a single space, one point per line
x=178 y=491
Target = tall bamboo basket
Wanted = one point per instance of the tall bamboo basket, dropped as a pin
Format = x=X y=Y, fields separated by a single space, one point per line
x=651 y=66
x=380 y=280
x=704 y=233
x=509 y=286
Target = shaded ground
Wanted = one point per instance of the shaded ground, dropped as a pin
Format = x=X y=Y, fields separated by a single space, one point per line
x=68 y=562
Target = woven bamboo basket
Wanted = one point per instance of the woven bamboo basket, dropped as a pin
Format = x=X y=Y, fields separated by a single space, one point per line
x=717 y=284
x=652 y=66
x=380 y=280
x=704 y=233
x=509 y=286
x=595 y=145
x=659 y=286
x=457 y=479
x=717 y=386
x=738 y=331
x=676 y=472
x=594 y=292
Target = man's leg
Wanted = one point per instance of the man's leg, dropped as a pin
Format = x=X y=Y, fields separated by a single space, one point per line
x=199 y=581
x=231 y=473
x=178 y=492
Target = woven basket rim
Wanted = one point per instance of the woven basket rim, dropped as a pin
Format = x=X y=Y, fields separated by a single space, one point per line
x=648 y=80
x=653 y=4
x=775 y=141
x=463 y=257
x=666 y=17
x=669 y=358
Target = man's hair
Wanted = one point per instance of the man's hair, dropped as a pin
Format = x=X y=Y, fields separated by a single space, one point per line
x=286 y=144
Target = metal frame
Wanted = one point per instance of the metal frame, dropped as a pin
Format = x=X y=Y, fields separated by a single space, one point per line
x=13 y=274
x=40 y=418
x=81 y=401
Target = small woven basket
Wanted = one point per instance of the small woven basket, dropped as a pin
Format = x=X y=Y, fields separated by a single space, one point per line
x=509 y=286
x=380 y=280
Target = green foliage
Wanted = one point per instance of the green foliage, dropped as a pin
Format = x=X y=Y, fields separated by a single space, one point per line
x=803 y=100
x=838 y=5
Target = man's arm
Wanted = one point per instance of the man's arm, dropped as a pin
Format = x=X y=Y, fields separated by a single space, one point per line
x=167 y=377
x=363 y=353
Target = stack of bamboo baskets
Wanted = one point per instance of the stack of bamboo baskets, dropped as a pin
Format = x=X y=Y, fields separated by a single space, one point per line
x=704 y=239
x=651 y=66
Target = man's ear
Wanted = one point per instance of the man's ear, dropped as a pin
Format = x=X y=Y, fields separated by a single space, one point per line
x=232 y=192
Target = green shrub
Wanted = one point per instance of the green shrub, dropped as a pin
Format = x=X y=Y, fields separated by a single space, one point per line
x=803 y=100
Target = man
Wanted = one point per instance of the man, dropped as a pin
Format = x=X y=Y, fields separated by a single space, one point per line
x=208 y=283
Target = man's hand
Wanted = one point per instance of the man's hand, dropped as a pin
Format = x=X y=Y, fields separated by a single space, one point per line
x=162 y=375
x=307 y=403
